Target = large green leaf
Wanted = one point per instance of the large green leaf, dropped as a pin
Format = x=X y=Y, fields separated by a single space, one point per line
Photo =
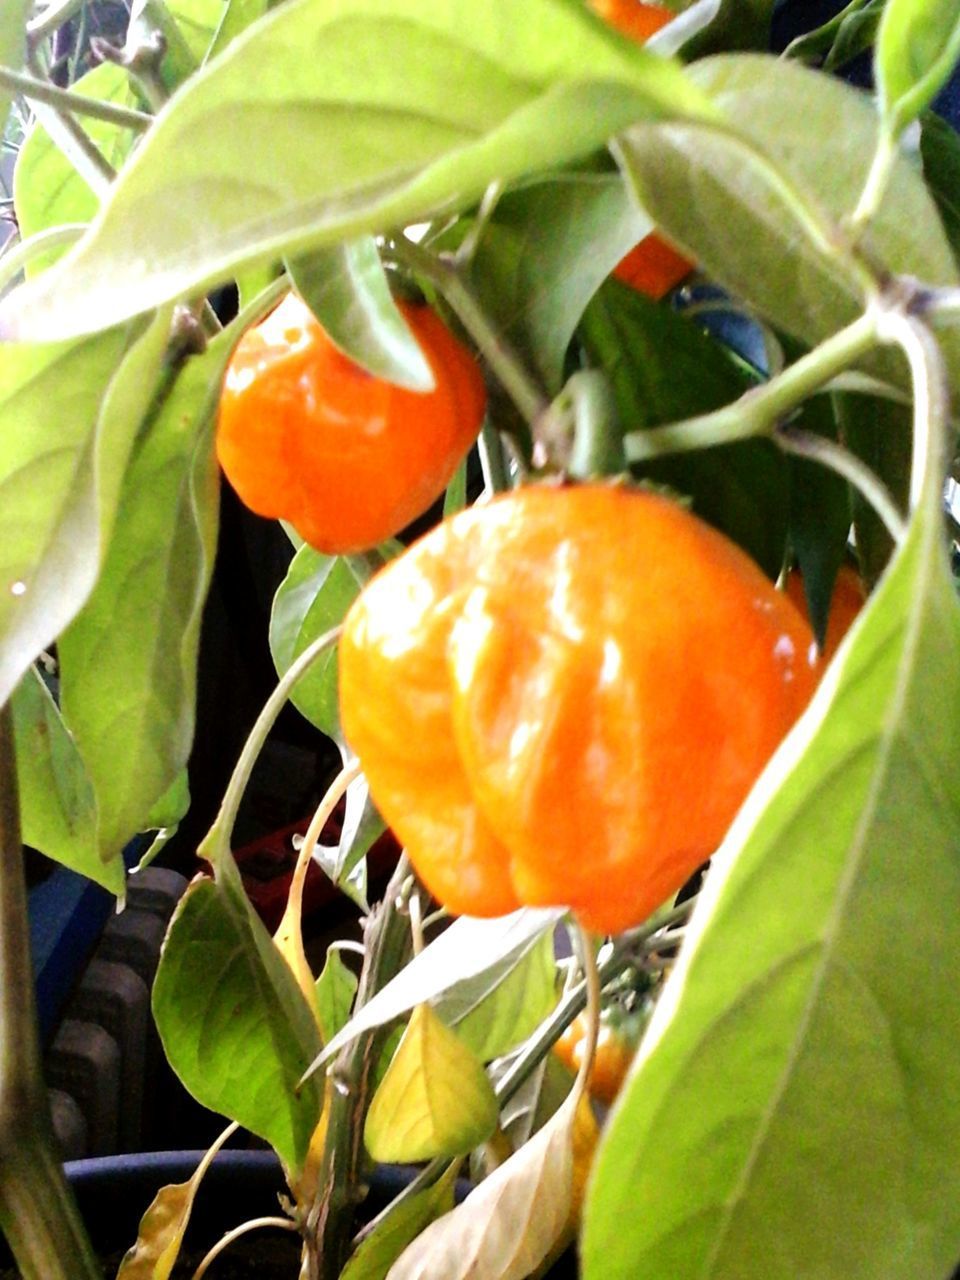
x=663 y=368
x=313 y=128
x=716 y=200
x=128 y=661
x=235 y=1026
x=918 y=44
x=545 y=254
x=58 y=810
x=68 y=417
x=793 y=1109
x=48 y=190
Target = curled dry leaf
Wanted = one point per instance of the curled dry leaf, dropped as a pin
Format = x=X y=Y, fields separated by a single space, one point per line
x=513 y=1220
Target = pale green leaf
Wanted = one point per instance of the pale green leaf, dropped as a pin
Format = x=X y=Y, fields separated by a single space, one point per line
x=713 y=195
x=918 y=44
x=346 y=288
x=62 y=452
x=470 y=953
x=235 y=1027
x=435 y=1099
x=545 y=254
x=128 y=660
x=58 y=812
x=511 y=1223
x=334 y=992
x=377 y=1251
x=313 y=597
x=311 y=130
x=499 y=1020
x=791 y=1111
x=237 y=16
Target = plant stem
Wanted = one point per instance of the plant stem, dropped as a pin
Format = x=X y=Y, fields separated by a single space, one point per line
x=622 y=954
x=217 y=839
x=878 y=179
x=498 y=353
x=758 y=410
x=74 y=103
x=490 y=449
x=76 y=145
x=54 y=16
x=329 y=1224
x=931 y=403
x=806 y=444
x=38 y=1215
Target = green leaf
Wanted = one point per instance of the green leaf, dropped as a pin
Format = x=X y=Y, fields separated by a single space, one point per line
x=362 y=826
x=346 y=288
x=510 y=1224
x=491 y=1023
x=940 y=150
x=820 y=509
x=857 y=33
x=335 y=990
x=237 y=16
x=879 y=432
x=455 y=498
x=739 y=24
x=918 y=44
x=545 y=254
x=377 y=1252
x=811 y=46
x=435 y=1099
x=713 y=196
x=128 y=661
x=58 y=810
x=48 y=191
x=468 y=954
x=663 y=368
x=235 y=1027
x=311 y=130
x=313 y=597
x=62 y=453
x=806 y=1080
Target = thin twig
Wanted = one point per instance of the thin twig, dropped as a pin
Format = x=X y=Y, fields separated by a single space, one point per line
x=66 y=100
x=816 y=448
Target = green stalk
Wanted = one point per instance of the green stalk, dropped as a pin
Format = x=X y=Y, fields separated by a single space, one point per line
x=757 y=412
x=52 y=95
x=38 y=1214
x=328 y=1229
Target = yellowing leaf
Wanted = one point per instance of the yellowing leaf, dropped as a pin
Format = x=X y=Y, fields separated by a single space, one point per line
x=513 y=1220
x=435 y=1099
x=161 y=1234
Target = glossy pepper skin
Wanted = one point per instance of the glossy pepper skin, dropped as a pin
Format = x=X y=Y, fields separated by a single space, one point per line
x=306 y=435
x=564 y=696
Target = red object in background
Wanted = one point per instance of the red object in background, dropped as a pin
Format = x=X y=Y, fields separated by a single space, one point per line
x=266 y=867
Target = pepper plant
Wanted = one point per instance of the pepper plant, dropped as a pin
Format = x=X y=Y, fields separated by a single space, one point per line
x=792 y=1107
